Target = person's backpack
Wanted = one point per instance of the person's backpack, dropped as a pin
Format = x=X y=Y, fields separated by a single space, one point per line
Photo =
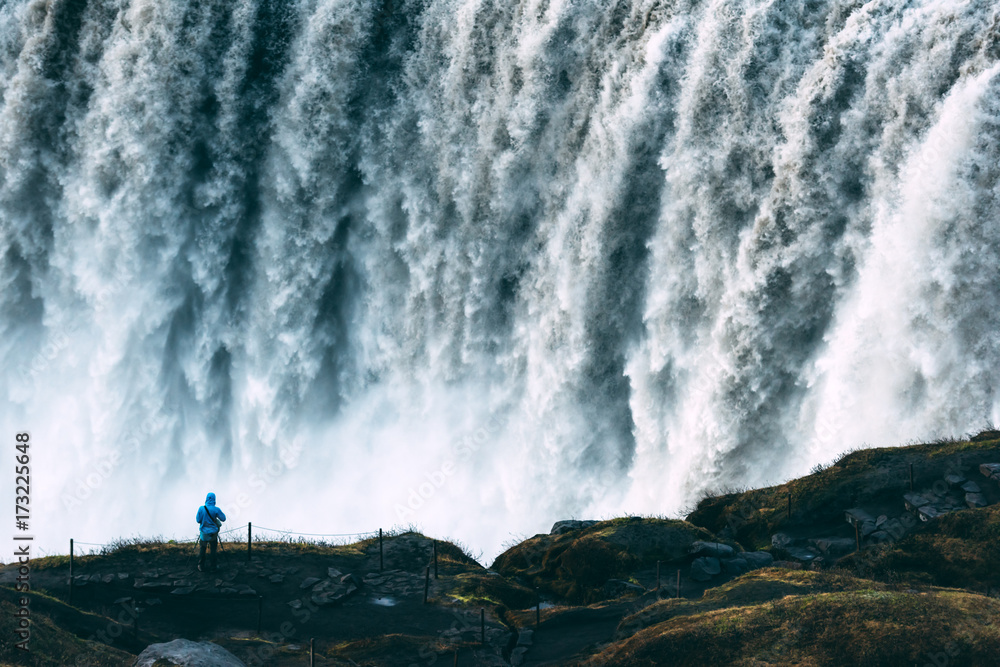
x=217 y=521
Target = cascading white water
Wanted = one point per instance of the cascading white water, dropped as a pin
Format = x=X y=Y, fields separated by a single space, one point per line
x=478 y=265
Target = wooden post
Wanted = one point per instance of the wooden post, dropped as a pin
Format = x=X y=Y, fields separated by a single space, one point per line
x=435 y=559
x=71 y=570
x=260 y=612
x=857 y=536
x=455 y=661
x=911 y=477
x=381 y=560
x=482 y=626
x=678 y=584
x=312 y=652
x=249 y=539
x=427 y=581
x=657 y=575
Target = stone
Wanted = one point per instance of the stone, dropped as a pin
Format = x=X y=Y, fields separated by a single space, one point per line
x=121 y=600
x=228 y=591
x=334 y=573
x=880 y=520
x=183 y=590
x=971 y=487
x=138 y=582
x=991 y=470
x=182 y=583
x=186 y=653
x=805 y=555
x=781 y=540
x=276 y=578
x=248 y=591
x=703 y=569
x=757 y=559
x=858 y=515
x=96 y=578
x=517 y=655
x=524 y=636
x=560 y=527
x=309 y=582
x=295 y=604
x=833 y=546
x=867 y=528
x=928 y=512
x=351 y=579
x=914 y=501
x=954 y=479
x=715 y=549
x=974 y=500
x=735 y=566
x=880 y=536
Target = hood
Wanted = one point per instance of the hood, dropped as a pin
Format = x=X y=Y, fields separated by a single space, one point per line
x=210 y=499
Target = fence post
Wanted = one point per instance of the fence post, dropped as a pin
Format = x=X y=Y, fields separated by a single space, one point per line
x=435 y=559
x=249 y=539
x=427 y=582
x=857 y=536
x=678 y=584
x=71 y=570
x=911 y=477
x=312 y=652
x=482 y=626
x=381 y=560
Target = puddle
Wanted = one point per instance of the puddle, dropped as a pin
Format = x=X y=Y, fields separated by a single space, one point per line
x=384 y=601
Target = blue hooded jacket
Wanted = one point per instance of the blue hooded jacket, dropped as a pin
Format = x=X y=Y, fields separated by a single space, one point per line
x=204 y=517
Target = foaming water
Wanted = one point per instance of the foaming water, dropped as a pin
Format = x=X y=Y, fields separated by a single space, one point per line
x=477 y=266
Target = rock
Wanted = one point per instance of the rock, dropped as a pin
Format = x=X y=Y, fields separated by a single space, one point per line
x=153 y=602
x=309 y=582
x=183 y=590
x=295 y=604
x=991 y=470
x=524 y=636
x=248 y=591
x=834 y=546
x=867 y=528
x=914 y=501
x=121 y=600
x=334 y=573
x=186 y=653
x=351 y=579
x=703 y=569
x=735 y=566
x=715 y=549
x=757 y=559
x=517 y=655
x=880 y=536
x=276 y=578
x=971 y=487
x=928 y=512
x=107 y=579
x=229 y=591
x=805 y=555
x=182 y=583
x=880 y=520
x=974 y=500
x=781 y=540
x=560 y=527
x=858 y=515
x=954 y=479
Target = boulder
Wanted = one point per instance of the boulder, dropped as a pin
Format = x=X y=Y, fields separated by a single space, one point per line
x=715 y=549
x=703 y=569
x=914 y=501
x=928 y=512
x=991 y=470
x=735 y=566
x=183 y=590
x=974 y=500
x=334 y=573
x=858 y=515
x=781 y=540
x=186 y=653
x=560 y=527
x=867 y=528
x=309 y=582
x=757 y=559
x=955 y=479
x=971 y=487
x=805 y=555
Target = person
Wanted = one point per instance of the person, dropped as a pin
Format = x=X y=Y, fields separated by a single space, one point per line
x=210 y=519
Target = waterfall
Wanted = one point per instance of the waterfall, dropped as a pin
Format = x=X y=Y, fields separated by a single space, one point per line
x=476 y=266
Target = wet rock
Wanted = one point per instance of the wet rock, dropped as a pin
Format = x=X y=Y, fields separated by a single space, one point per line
x=715 y=549
x=309 y=582
x=735 y=566
x=974 y=500
x=955 y=479
x=803 y=554
x=971 y=487
x=351 y=579
x=334 y=573
x=867 y=528
x=757 y=559
x=703 y=569
x=880 y=536
x=991 y=470
x=914 y=501
x=858 y=516
x=928 y=512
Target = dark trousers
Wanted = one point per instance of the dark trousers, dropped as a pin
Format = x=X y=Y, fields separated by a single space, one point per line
x=214 y=541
